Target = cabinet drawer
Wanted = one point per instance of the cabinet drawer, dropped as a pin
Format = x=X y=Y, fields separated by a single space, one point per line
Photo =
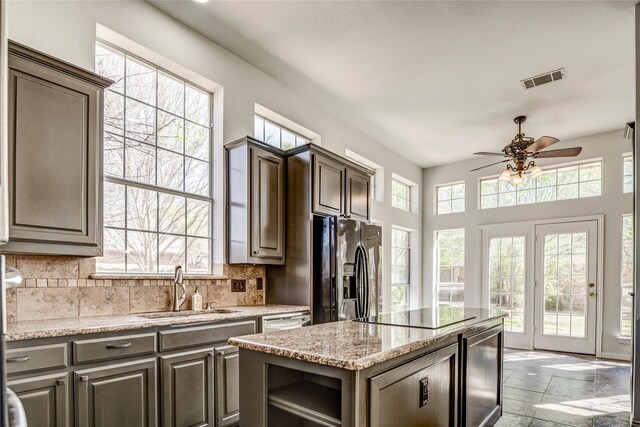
x=189 y=337
x=113 y=347
x=35 y=358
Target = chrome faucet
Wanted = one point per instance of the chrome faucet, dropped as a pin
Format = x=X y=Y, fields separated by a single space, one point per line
x=177 y=281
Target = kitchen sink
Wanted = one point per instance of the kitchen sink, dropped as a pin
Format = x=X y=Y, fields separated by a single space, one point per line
x=166 y=314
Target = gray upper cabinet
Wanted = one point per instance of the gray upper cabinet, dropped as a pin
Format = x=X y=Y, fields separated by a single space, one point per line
x=117 y=395
x=328 y=186
x=227 y=385
x=255 y=203
x=357 y=195
x=45 y=399
x=55 y=152
x=187 y=389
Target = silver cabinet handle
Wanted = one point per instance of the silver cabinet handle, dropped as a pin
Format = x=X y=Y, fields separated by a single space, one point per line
x=118 y=346
x=19 y=359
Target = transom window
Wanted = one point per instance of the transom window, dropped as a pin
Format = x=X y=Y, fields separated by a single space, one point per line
x=562 y=183
x=276 y=135
x=506 y=278
x=157 y=168
x=450 y=267
x=626 y=282
x=627 y=171
x=400 y=264
x=400 y=195
x=450 y=198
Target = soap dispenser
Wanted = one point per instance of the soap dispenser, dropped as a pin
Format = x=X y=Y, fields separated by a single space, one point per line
x=196 y=301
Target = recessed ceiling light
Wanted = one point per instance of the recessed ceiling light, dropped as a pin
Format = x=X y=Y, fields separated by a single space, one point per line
x=201 y=1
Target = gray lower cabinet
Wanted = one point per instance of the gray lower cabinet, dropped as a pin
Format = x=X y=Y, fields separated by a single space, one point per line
x=45 y=399
x=482 y=373
x=227 y=385
x=55 y=147
x=422 y=392
x=117 y=395
x=187 y=389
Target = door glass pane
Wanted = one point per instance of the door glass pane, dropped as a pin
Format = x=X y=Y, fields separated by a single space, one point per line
x=565 y=284
x=507 y=279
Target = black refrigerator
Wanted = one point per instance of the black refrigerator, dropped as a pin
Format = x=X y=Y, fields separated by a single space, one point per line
x=347 y=269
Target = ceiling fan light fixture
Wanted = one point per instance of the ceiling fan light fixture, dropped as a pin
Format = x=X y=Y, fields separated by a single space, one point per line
x=517 y=179
x=535 y=171
x=505 y=176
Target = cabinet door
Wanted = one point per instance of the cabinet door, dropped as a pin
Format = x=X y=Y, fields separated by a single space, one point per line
x=328 y=186
x=55 y=143
x=419 y=393
x=482 y=377
x=267 y=205
x=357 y=195
x=45 y=399
x=227 y=386
x=117 y=395
x=187 y=389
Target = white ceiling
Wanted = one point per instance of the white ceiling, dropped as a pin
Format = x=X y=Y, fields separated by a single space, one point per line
x=436 y=81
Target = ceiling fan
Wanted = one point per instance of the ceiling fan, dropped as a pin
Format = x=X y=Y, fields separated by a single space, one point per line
x=522 y=149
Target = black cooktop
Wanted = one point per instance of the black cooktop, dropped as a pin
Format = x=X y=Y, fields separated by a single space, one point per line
x=427 y=318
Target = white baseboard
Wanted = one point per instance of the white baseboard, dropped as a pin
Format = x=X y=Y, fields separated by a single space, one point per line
x=615 y=356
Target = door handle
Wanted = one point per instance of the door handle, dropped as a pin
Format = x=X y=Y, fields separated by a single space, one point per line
x=19 y=359
x=118 y=346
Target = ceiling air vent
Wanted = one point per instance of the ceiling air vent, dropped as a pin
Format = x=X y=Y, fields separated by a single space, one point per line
x=542 y=79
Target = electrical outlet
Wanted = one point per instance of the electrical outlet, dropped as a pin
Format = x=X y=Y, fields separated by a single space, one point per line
x=238 y=285
x=259 y=283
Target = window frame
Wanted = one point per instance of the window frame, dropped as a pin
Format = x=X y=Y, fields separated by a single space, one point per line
x=628 y=287
x=296 y=135
x=437 y=265
x=627 y=157
x=437 y=201
x=126 y=183
x=550 y=168
x=394 y=196
x=407 y=285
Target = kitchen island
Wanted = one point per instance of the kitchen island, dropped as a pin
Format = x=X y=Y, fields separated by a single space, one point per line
x=442 y=367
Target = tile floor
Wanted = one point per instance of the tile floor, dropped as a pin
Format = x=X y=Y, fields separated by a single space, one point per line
x=554 y=389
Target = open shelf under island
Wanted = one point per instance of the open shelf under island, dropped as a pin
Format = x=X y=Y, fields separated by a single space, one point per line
x=375 y=373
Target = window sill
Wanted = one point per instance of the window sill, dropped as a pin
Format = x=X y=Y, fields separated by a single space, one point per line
x=623 y=340
x=107 y=276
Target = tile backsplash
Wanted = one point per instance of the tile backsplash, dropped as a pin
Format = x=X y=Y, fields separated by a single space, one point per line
x=62 y=287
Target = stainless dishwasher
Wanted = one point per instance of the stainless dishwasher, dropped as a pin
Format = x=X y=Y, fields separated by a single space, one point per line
x=279 y=322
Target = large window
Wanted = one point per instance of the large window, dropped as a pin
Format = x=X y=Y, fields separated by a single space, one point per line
x=627 y=171
x=626 y=302
x=276 y=135
x=400 y=195
x=506 y=279
x=400 y=264
x=562 y=183
x=157 y=164
x=450 y=198
x=450 y=267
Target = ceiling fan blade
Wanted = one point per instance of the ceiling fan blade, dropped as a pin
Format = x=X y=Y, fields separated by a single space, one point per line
x=542 y=143
x=486 y=153
x=562 y=152
x=486 y=166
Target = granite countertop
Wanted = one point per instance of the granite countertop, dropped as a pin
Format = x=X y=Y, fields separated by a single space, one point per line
x=17 y=331
x=351 y=344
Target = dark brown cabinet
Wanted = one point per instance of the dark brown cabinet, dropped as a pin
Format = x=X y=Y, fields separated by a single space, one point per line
x=482 y=374
x=357 y=195
x=45 y=399
x=117 y=395
x=419 y=393
x=55 y=147
x=187 y=389
x=227 y=386
x=328 y=186
x=255 y=203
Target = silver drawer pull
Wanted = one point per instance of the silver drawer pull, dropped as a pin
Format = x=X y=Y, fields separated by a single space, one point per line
x=118 y=346
x=19 y=359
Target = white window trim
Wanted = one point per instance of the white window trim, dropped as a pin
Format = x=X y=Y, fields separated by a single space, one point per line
x=413 y=193
x=407 y=285
x=436 y=261
x=626 y=155
x=284 y=122
x=448 y=184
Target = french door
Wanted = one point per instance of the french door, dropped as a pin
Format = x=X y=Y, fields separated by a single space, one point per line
x=566 y=291
x=543 y=275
